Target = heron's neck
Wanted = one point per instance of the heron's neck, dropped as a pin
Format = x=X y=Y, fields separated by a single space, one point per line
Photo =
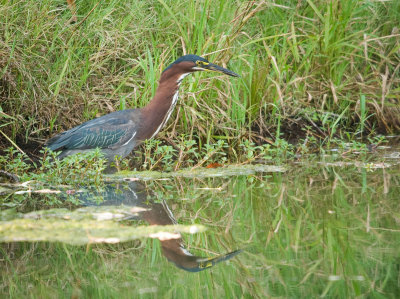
x=160 y=108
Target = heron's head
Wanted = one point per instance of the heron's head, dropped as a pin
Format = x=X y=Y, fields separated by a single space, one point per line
x=193 y=63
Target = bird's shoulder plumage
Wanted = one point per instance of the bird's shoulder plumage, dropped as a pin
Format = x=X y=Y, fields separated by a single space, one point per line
x=108 y=131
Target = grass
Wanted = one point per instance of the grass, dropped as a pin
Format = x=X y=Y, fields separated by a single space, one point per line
x=314 y=231
x=185 y=154
x=297 y=60
x=81 y=169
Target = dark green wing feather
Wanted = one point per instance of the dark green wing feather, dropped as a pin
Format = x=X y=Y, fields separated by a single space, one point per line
x=111 y=130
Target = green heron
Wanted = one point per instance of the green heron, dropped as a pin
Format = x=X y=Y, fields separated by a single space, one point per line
x=118 y=133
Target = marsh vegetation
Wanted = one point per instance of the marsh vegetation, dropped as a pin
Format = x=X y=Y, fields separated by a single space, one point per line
x=311 y=70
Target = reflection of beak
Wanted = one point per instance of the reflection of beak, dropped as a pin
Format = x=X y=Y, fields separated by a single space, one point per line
x=207 y=263
x=215 y=68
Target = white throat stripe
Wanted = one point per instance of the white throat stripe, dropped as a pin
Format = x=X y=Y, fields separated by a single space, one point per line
x=173 y=104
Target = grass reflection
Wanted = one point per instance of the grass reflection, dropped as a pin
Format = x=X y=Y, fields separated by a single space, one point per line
x=317 y=231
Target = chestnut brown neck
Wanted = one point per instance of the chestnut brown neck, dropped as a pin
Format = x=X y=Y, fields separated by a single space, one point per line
x=160 y=108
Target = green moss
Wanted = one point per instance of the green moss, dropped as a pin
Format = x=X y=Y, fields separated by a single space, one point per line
x=230 y=170
x=81 y=226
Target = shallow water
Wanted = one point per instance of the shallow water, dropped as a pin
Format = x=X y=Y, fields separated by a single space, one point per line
x=328 y=228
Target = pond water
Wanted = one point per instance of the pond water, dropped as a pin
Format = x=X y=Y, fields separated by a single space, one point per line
x=328 y=228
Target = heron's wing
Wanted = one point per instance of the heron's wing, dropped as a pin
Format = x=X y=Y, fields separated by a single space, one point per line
x=108 y=131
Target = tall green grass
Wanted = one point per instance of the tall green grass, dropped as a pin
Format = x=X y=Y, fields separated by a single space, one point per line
x=296 y=59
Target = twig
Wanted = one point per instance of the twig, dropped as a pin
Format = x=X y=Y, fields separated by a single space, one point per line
x=12 y=176
x=16 y=146
x=84 y=19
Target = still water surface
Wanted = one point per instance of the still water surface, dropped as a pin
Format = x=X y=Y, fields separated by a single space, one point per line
x=327 y=229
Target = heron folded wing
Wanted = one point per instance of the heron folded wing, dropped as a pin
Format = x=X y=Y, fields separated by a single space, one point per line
x=103 y=132
x=96 y=137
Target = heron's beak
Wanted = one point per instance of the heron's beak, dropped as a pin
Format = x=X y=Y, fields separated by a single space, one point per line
x=216 y=68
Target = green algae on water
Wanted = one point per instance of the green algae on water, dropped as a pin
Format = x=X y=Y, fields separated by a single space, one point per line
x=83 y=226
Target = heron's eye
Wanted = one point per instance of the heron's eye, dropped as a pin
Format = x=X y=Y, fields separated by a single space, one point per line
x=201 y=63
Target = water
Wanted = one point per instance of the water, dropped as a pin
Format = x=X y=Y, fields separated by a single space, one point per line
x=329 y=228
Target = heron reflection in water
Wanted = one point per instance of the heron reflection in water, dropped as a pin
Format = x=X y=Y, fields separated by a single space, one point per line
x=136 y=194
